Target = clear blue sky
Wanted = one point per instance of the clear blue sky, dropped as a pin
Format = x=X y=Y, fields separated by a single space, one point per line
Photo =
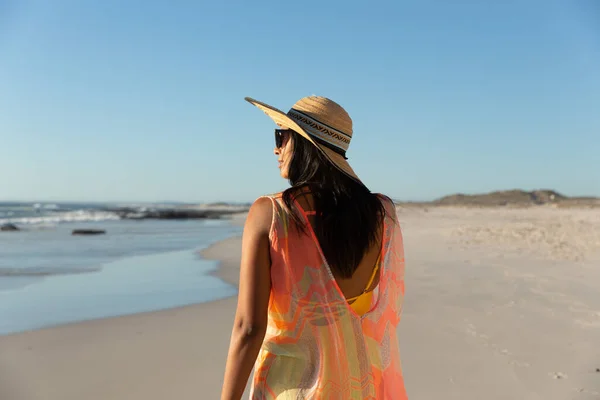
x=143 y=101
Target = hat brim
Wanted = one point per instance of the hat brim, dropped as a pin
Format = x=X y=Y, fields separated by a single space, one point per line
x=281 y=119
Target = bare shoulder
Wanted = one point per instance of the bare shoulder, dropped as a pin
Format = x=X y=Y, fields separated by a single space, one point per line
x=260 y=215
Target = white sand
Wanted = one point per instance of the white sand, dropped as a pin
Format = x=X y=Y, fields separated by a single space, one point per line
x=500 y=304
x=494 y=313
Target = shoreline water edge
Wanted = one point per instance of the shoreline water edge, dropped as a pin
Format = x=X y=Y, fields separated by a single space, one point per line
x=121 y=287
x=227 y=253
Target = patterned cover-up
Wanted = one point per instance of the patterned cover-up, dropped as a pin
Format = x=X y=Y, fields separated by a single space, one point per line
x=316 y=346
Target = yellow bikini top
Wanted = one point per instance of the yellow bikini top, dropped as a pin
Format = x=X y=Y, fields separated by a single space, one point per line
x=362 y=303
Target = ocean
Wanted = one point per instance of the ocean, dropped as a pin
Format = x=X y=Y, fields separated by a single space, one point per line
x=49 y=277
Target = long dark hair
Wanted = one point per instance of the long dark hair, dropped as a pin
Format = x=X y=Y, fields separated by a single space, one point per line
x=348 y=216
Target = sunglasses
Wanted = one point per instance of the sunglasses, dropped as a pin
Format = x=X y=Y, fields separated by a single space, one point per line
x=280 y=135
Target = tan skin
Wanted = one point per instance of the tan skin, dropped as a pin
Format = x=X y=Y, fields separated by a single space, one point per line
x=250 y=322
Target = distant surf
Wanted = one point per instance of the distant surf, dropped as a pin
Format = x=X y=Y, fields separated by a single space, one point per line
x=39 y=214
x=52 y=213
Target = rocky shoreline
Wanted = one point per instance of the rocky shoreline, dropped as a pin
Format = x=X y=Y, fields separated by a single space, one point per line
x=173 y=213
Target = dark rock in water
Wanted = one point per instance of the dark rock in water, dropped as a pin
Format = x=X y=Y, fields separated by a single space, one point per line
x=173 y=213
x=183 y=214
x=88 y=232
x=8 y=228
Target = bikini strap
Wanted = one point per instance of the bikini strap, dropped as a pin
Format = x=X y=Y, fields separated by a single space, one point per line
x=375 y=270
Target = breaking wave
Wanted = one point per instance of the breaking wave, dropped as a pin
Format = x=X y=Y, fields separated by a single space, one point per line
x=59 y=217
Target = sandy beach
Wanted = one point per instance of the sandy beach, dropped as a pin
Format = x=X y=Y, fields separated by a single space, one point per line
x=500 y=304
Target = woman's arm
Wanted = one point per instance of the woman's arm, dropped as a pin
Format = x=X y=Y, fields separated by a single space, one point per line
x=250 y=323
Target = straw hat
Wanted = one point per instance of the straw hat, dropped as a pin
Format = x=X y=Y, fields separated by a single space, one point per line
x=322 y=122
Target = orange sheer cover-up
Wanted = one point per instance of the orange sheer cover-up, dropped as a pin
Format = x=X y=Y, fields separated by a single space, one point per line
x=316 y=345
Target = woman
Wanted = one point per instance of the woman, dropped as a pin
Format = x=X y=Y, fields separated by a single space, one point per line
x=322 y=273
